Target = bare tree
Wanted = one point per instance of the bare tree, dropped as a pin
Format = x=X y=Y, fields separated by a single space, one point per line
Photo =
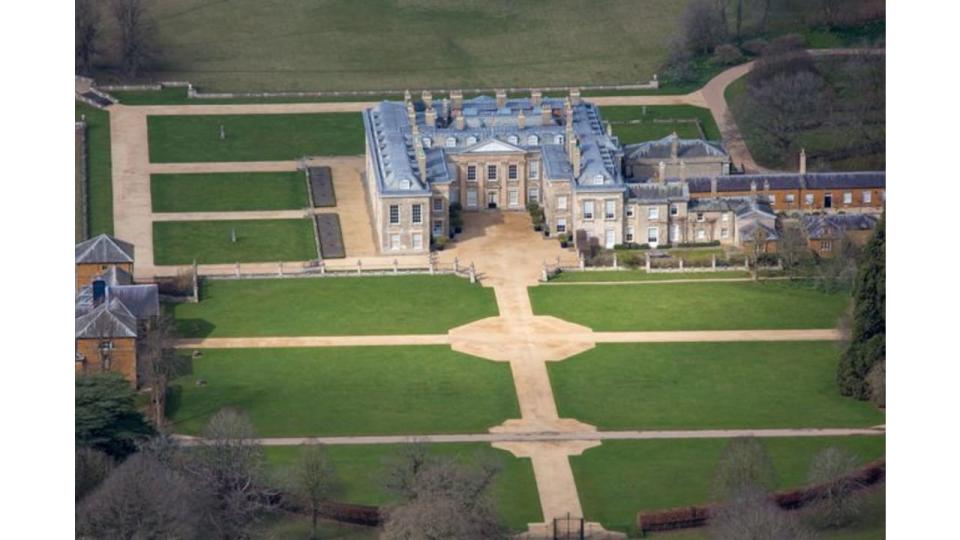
x=313 y=482
x=445 y=499
x=782 y=107
x=838 y=271
x=141 y=499
x=792 y=249
x=702 y=26
x=833 y=468
x=758 y=247
x=751 y=515
x=135 y=45
x=877 y=382
x=229 y=463
x=744 y=469
x=91 y=468
x=160 y=363
x=86 y=34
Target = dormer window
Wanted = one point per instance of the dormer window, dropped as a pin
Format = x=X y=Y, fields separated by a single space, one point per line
x=404 y=184
x=533 y=140
x=471 y=140
x=558 y=139
x=598 y=179
x=512 y=139
x=427 y=142
x=451 y=142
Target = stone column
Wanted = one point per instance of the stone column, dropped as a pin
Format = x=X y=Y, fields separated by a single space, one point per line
x=396 y=266
x=615 y=265
x=647 y=261
x=359 y=267
x=713 y=262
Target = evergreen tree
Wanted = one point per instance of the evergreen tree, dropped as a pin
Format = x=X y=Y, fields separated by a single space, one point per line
x=868 y=340
x=106 y=417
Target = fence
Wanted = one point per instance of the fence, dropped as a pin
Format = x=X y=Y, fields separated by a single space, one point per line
x=193 y=93
x=336 y=268
x=715 y=265
x=83 y=179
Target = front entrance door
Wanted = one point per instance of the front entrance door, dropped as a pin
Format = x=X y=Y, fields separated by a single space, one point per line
x=610 y=239
x=491 y=199
x=828 y=200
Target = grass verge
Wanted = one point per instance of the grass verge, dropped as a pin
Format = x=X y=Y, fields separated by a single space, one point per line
x=228 y=192
x=209 y=242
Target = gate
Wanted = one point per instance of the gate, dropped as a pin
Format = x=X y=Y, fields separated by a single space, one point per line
x=568 y=528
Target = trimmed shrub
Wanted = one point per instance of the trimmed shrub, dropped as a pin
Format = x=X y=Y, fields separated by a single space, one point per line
x=754 y=46
x=727 y=55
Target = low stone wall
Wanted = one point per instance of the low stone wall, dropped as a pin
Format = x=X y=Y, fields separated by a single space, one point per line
x=84 y=180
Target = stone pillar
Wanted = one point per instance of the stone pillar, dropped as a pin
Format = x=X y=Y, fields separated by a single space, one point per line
x=473 y=273
x=359 y=267
x=713 y=262
x=456 y=265
x=581 y=260
x=544 y=274
x=681 y=264
x=323 y=268
x=237 y=269
x=280 y=268
x=615 y=264
x=396 y=266
x=646 y=257
x=432 y=266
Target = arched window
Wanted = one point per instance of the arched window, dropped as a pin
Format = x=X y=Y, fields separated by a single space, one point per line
x=533 y=140
x=451 y=142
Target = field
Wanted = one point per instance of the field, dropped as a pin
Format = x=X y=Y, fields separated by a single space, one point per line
x=100 y=187
x=253 y=137
x=620 y=478
x=227 y=192
x=248 y=45
x=302 y=392
x=691 y=306
x=334 y=306
x=654 y=122
x=209 y=242
x=647 y=386
x=361 y=469
x=642 y=275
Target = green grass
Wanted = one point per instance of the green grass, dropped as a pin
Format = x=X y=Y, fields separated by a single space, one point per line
x=253 y=137
x=620 y=478
x=652 y=127
x=736 y=385
x=209 y=242
x=100 y=187
x=300 y=392
x=642 y=275
x=335 y=306
x=361 y=468
x=692 y=306
x=291 y=526
x=247 y=45
x=225 y=192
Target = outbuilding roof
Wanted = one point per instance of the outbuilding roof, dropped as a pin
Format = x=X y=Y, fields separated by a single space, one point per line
x=835 y=225
x=662 y=149
x=103 y=249
x=110 y=319
x=829 y=180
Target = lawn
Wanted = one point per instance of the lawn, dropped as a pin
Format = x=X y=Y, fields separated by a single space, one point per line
x=253 y=137
x=226 y=192
x=620 y=478
x=300 y=392
x=654 y=122
x=692 y=306
x=334 y=306
x=249 y=45
x=361 y=468
x=647 y=386
x=641 y=275
x=209 y=242
x=100 y=187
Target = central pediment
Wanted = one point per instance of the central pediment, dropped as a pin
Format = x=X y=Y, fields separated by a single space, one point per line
x=492 y=146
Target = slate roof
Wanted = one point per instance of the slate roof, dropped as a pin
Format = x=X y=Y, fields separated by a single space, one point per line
x=686 y=149
x=657 y=193
x=110 y=319
x=143 y=301
x=103 y=249
x=115 y=276
x=390 y=138
x=834 y=225
x=717 y=204
x=830 y=180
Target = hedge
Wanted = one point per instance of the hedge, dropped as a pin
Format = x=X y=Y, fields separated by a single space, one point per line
x=357 y=514
x=688 y=517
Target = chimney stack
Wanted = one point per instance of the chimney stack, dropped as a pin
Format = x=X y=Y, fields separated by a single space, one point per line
x=406 y=96
x=456 y=98
x=458 y=119
x=521 y=119
x=431 y=116
x=683 y=170
x=411 y=113
x=662 y=172
x=546 y=114
x=575 y=96
x=713 y=186
x=427 y=98
x=535 y=97
x=674 y=145
x=501 y=98
x=753 y=186
x=445 y=111
x=803 y=161
x=573 y=149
